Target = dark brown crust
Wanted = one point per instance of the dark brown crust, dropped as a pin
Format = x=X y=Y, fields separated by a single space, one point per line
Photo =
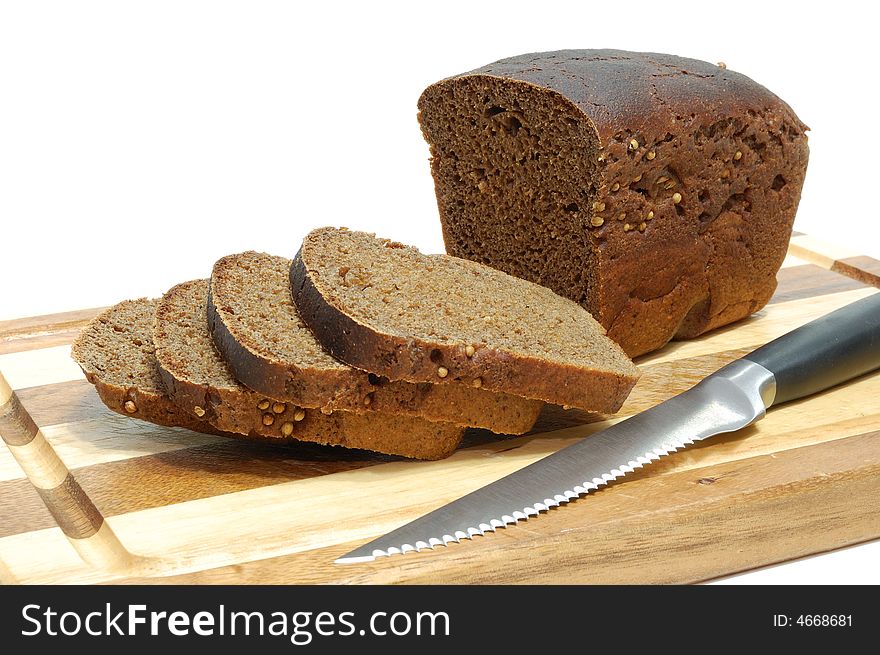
x=72 y=509
x=462 y=405
x=235 y=413
x=217 y=404
x=699 y=264
x=344 y=389
x=416 y=360
x=618 y=88
x=17 y=428
x=160 y=410
x=236 y=409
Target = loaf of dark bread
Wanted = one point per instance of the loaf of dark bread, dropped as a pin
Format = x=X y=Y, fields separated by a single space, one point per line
x=656 y=191
x=262 y=337
x=198 y=380
x=386 y=308
x=116 y=353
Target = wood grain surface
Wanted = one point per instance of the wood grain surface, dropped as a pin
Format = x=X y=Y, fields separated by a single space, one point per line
x=197 y=508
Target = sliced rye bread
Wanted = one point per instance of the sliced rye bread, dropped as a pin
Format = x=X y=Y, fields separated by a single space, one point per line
x=267 y=347
x=116 y=353
x=387 y=308
x=198 y=380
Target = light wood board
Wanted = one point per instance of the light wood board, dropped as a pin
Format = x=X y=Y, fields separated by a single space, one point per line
x=194 y=508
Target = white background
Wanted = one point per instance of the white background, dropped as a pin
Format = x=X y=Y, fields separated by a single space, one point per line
x=140 y=141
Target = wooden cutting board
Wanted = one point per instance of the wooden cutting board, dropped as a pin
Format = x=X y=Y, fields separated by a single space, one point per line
x=192 y=508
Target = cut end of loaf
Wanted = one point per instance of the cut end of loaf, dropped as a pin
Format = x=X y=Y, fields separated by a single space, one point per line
x=517 y=174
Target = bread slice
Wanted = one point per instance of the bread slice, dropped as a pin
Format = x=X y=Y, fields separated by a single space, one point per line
x=387 y=308
x=115 y=351
x=198 y=380
x=268 y=348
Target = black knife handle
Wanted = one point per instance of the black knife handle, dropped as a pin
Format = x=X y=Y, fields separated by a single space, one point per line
x=823 y=353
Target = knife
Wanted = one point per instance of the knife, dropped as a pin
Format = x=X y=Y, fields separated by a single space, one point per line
x=830 y=350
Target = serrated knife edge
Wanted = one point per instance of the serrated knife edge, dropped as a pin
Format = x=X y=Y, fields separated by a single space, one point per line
x=745 y=387
x=510 y=519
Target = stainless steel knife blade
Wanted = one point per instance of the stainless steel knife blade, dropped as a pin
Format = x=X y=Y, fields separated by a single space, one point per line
x=837 y=347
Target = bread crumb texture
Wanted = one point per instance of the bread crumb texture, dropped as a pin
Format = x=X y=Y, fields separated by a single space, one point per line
x=117 y=347
x=254 y=299
x=117 y=354
x=397 y=290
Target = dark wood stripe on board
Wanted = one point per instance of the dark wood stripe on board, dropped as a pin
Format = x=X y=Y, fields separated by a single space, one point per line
x=17 y=428
x=72 y=509
x=809 y=281
x=37 y=342
x=32 y=325
x=36 y=332
x=862 y=268
x=63 y=402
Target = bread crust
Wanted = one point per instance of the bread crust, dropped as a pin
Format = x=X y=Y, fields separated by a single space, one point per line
x=143 y=401
x=284 y=380
x=734 y=152
x=236 y=413
x=151 y=407
x=234 y=408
